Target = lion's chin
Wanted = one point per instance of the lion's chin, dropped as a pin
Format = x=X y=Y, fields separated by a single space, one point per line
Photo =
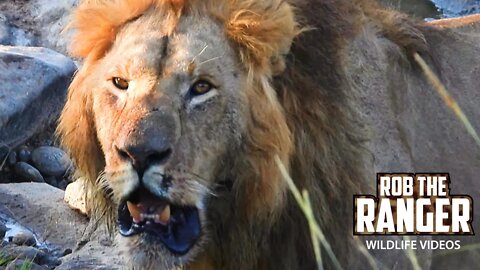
x=144 y=251
x=157 y=221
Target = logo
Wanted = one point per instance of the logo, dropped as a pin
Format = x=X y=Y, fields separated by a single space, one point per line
x=413 y=204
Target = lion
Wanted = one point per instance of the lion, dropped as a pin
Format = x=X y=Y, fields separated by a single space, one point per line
x=181 y=108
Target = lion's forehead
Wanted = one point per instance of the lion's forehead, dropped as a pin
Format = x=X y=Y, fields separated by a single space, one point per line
x=145 y=44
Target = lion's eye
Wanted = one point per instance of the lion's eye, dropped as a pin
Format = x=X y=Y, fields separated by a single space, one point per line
x=120 y=83
x=200 y=88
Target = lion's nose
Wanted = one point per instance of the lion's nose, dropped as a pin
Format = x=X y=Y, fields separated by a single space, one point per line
x=149 y=143
x=143 y=155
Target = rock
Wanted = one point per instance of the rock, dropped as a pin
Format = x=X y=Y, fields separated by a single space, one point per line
x=11 y=35
x=3 y=230
x=40 y=207
x=67 y=252
x=34 y=86
x=31 y=254
x=51 y=160
x=454 y=8
x=418 y=8
x=24 y=264
x=24 y=238
x=4 y=150
x=28 y=172
x=12 y=158
x=24 y=154
x=75 y=196
x=51 y=180
x=40 y=22
x=62 y=184
x=51 y=18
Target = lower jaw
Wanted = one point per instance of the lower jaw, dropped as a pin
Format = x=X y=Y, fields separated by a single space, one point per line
x=147 y=252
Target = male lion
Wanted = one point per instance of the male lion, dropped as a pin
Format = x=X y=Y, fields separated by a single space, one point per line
x=181 y=107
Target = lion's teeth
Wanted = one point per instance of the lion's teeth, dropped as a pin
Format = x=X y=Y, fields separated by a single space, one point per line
x=135 y=212
x=164 y=217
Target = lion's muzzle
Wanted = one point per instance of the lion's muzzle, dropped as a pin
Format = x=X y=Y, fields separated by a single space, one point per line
x=177 y=227
x=147 y=141
x=147 y=210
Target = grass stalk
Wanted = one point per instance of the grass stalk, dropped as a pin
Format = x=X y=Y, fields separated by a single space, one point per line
x=412 y=256
x=305 y=205
x=446 y=97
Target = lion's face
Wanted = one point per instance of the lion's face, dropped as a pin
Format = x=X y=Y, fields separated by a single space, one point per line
x=167 y=111
x=171 y=104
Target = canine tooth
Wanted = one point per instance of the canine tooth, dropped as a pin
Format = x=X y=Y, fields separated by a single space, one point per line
x=134 y=212
x=164 y=217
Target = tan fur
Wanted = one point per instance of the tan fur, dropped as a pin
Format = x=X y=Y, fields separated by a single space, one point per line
x=292 y=98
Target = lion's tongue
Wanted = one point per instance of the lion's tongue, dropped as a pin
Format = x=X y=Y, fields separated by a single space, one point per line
x=156 y=211
x=177 y=227
x=180 y=232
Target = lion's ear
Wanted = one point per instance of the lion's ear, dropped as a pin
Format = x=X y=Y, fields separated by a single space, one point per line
x=264 y=30
x=76 y=130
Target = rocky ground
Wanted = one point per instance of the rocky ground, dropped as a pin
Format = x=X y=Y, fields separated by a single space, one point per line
x=36 y=225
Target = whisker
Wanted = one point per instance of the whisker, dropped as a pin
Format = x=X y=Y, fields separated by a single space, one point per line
x=201 y=52
x=209 y=60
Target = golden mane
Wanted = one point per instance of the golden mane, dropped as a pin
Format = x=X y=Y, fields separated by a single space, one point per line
x=263 y=29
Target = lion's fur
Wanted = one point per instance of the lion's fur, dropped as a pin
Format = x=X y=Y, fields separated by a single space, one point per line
x=293 y=52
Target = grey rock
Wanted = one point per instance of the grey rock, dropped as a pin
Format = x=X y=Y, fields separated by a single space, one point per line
x=4 y=150
x=418 y=8
x=62 y=184
x=12 y=158
x=13 y=252
x=24 y=238
x=454 y=8
x=37 y=23
x=34 y=86
x=51 y=18
x=28 y=172
x=51 y=161
x=51 y=180
x=24 y=264
x=40 y=207
x=24 y=154
x=11 y=35
x=3 y=230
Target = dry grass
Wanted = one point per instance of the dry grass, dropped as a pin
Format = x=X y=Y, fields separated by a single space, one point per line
x=412 y=256
x=303 y=201
x=447 y=98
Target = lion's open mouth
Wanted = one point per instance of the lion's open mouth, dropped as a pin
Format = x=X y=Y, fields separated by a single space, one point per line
x=177 y=227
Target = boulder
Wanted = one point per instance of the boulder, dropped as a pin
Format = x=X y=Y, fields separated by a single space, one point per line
x=455 y=8
x=40 y=207
x=3 y=230
x=36 y=23
x=33 y=91
x=24 y=238
x=51 y=18
x=12 y=252
x=51 y=161
x=75 y=196
x=11 y=35
x=28 y=173
x=24 y=154
x=24 y=264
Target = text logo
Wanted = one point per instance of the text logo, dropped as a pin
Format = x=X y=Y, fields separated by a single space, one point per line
x=413 y=204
